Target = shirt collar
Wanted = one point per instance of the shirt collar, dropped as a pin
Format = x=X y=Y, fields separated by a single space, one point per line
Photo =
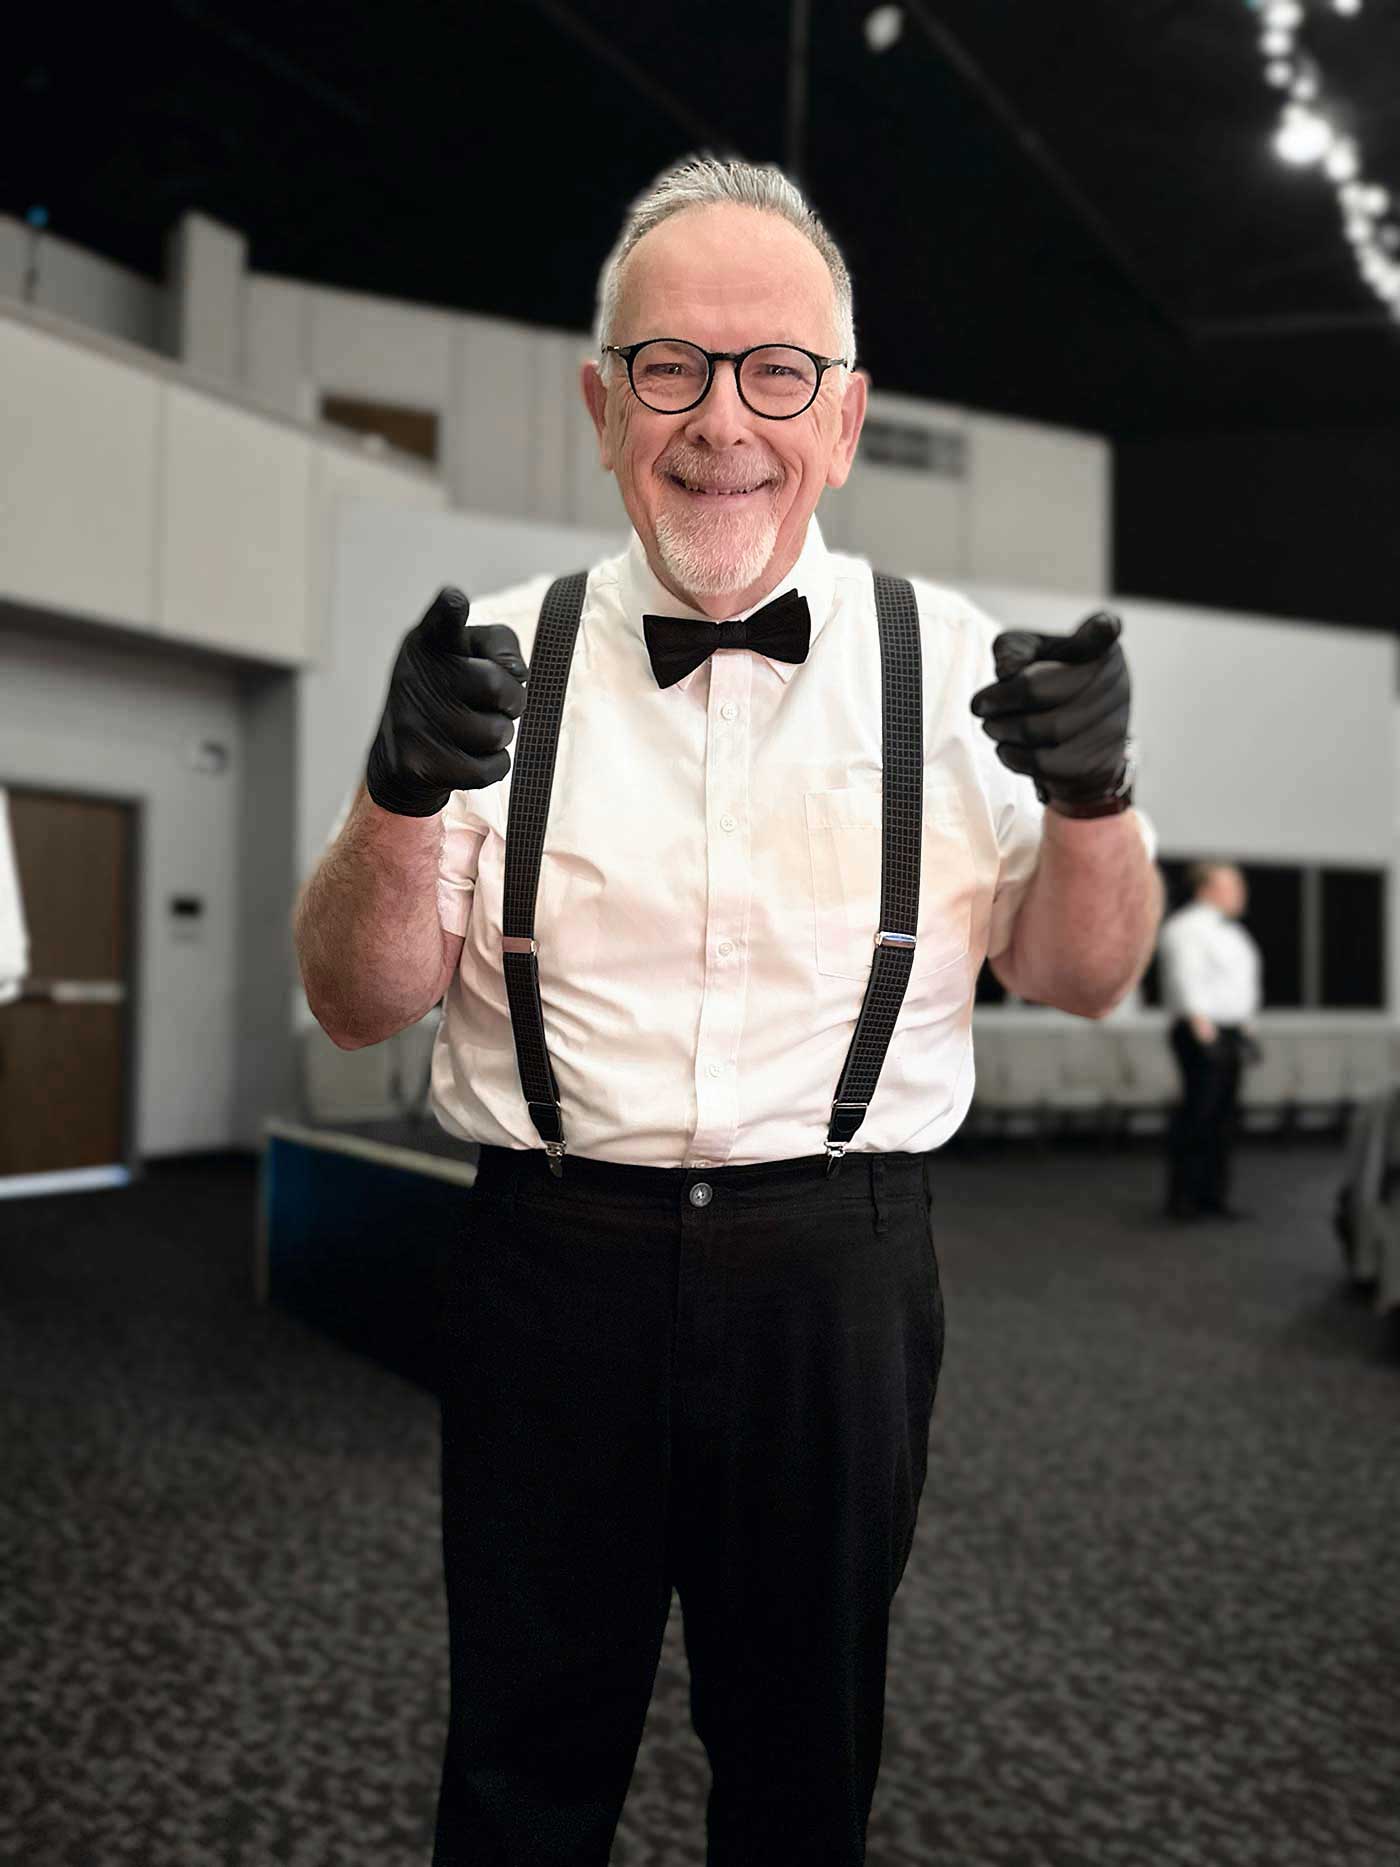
x=812 y=576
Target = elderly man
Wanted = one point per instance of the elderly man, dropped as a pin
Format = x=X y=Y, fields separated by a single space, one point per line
x=1211 y=988
x=766 y=815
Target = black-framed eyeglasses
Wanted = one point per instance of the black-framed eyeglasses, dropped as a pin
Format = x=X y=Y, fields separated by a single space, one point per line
x=671 y=376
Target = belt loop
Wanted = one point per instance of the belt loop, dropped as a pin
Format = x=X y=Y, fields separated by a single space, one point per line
x=878 y=1193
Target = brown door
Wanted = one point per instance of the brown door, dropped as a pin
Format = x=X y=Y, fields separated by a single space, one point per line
x=63 y=1042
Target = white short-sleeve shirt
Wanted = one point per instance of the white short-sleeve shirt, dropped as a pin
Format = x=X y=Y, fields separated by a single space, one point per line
x=710 y=884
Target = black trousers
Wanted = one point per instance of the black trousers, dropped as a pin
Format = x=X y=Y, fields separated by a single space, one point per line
x=1202 y=1127
x=718 y=1381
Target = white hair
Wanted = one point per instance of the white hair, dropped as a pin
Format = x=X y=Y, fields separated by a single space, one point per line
x=707 y=181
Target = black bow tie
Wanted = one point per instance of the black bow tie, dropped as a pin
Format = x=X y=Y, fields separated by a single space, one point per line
x=678 y=644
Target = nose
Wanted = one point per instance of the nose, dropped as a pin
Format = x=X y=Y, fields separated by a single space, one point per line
x=721 y=420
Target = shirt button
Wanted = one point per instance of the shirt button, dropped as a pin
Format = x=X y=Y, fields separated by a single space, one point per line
x=727 y=822
x=701 y=1194
x=702 y=1163
x=729 y=711
x=726 y=947
x=714 y=1069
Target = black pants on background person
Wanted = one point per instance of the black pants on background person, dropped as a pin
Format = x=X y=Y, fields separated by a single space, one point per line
x=716 y=1380
x=1202 y=1126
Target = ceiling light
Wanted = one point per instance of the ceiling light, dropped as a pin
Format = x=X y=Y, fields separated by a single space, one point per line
x=1341 y=163
x=883 y=25
x=1304 y=138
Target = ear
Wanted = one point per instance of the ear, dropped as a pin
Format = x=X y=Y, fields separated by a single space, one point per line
x=595 y=400
x=852 y=421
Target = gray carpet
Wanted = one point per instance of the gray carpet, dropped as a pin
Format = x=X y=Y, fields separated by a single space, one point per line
x=1151 y=1615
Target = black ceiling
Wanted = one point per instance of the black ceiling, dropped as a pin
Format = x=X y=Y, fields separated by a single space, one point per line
x=1067 y=212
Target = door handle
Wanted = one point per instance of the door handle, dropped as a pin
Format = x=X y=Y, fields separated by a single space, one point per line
x=75 y=991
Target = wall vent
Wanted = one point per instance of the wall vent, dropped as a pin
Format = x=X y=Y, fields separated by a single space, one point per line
x=914 y=447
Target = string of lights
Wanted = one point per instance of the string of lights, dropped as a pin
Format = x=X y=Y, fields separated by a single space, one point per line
x=1308 y=136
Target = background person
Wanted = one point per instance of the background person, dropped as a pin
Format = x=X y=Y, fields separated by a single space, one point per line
x=696 y=1359
x=1211 y=986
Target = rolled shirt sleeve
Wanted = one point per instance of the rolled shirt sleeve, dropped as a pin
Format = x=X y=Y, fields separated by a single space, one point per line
x=462 y=837
x=1019 y=817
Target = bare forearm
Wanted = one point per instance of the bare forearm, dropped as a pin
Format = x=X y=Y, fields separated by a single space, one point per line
x=1085 y=931
x=366 y=928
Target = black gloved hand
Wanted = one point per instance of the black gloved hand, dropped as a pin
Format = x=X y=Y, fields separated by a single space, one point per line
x=454 y=696
x=1058 y=709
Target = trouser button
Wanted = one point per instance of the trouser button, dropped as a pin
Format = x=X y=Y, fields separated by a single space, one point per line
x=701 y=1193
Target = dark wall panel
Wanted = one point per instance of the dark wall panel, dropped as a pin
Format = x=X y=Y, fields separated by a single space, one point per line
x=1353 y=938
x=1293 y=524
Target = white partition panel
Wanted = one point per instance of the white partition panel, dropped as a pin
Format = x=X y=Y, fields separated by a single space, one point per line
x=1038 y=505
x=1259 y=739
x=596 y=500
x=380 y=350
x=488 y=465
x=236 y=531
x=276 y=346
x=339 y=479
x=556 y=406
x=909 y=521
x=13 y=241
x=79 y=285
x=79 y=447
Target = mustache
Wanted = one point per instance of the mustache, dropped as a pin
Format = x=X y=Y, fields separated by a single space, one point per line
x=726 y=474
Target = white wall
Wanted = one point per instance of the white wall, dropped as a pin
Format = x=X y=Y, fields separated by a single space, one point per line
x=205 y=269
x=516 y=439
x=1033 y=506
x=1259 y=739
x=133 y=493
x=74 y=283
x=117 y=721
x=1270 y=740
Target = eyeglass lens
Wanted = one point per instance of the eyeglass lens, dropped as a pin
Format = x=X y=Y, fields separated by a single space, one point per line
x=777 y=380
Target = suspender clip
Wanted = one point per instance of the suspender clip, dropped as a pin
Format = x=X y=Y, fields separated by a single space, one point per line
x=835 y=1154
x=555 y=1151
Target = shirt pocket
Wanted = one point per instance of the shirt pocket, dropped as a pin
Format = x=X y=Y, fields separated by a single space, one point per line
x=844 y=836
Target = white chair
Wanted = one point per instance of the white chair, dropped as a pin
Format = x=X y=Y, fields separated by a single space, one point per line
x=1269 y=1089
x=413 y=1057
x=1368 y=1067
x=1321 y=1090
x=1363 y=1177
x=991 y=1093
x=1033 y=1072
x=1148 y=1084
x=1088 y=1073
x=346 y=1085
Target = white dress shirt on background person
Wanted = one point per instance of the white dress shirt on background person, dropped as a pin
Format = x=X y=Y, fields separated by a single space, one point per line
x=1210 y=966
x=710 y=885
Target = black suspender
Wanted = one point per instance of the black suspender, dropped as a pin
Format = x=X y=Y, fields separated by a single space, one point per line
x=902 y=715
x=532 y=780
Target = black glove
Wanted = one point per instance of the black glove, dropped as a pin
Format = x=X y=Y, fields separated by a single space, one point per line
x=1058 y=711
x=454 y=696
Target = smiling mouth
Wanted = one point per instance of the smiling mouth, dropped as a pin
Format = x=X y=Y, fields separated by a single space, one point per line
x=716 y=492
